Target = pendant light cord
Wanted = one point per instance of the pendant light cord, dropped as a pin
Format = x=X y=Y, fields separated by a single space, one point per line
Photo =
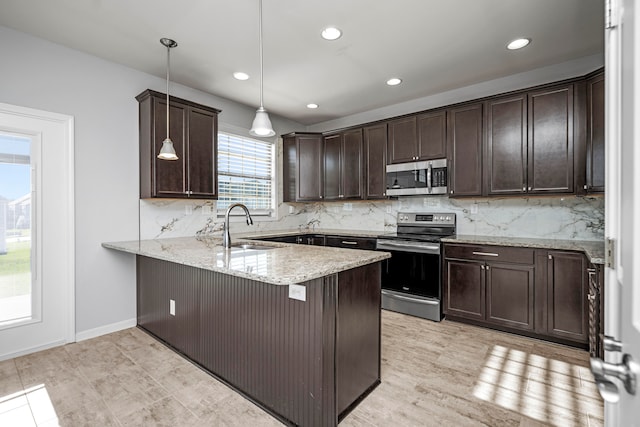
x=261 y=60
x=168 y=63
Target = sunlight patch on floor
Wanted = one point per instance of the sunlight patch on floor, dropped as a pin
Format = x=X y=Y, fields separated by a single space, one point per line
x=538 y=387
x=31 y=407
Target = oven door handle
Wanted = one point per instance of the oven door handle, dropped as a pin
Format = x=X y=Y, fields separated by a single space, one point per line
x=418 y=300
x=403 y=247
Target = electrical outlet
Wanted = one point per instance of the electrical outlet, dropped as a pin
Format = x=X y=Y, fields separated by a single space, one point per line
x=474 y=208
x=206 y=210
x=292 y=209
x=172 y=307
x=298 y=292
x=347 y=206
x=188 y=210
x=389 y=209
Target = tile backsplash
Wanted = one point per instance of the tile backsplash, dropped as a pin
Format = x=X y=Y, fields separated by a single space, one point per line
x=570 y=217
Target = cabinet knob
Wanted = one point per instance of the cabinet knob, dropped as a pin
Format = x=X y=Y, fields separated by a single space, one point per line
x=586 y=187
x=529 y=188
x=451 y=192
x=524 y=188
x=550 y=256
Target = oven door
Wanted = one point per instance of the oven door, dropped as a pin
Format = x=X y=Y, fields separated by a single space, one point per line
x=411 y=278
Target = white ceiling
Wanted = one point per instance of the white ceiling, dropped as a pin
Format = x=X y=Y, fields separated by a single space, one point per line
x=433 y=45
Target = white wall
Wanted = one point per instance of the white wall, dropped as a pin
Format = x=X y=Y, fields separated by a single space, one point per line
x=101 y=96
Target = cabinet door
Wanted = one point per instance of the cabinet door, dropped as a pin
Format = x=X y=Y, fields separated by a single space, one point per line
x=432 y=131
x=170 y=175
x=309 y=167
x=567 y=295
x=506 y=159
x=464 y=146
x=402 y=140
x=595 y=134
x=351 y=164
x=510 y=295
x=332 y=170
x=550 y=145
x=464 y=289
x=202 y=157
x=375 y=152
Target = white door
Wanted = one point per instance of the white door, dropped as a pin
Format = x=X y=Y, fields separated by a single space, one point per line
x=37 y=307
x=616 y=378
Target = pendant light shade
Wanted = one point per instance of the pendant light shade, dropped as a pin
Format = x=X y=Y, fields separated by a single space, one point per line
x=168 y=152
x=261 y=124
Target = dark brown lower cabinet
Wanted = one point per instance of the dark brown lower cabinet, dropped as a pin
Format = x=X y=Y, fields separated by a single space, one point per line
x=567 y=288
x=464 y=285
x=510 y=295
x=538 y=293
x=306 y=362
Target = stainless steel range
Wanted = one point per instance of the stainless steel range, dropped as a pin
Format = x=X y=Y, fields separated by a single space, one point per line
x=411 y=278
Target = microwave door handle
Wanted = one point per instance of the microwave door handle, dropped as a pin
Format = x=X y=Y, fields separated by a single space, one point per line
x=429 y=175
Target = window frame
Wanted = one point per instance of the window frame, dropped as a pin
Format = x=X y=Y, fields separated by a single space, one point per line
x=257 y=214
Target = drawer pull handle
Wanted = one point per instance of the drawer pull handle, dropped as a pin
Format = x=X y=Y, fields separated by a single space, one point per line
x=346 y=242
x=485 y=253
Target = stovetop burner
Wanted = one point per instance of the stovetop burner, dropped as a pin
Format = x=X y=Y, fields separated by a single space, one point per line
x=423 y=227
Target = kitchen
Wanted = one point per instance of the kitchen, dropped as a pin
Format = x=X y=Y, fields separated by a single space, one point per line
x=100 y=95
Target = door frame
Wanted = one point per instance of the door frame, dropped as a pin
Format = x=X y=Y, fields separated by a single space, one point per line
x=66 y=123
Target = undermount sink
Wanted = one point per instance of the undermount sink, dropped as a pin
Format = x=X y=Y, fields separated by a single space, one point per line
x=252 y=246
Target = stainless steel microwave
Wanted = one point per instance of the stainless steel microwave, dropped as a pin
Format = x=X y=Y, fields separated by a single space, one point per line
x=417 y=178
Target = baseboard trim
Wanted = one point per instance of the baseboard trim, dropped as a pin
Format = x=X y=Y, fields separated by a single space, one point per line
x=26 y=351
x=106 y=329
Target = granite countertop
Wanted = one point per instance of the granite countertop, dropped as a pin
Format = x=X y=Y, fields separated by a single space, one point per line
x=593 y=249
x=285 y=264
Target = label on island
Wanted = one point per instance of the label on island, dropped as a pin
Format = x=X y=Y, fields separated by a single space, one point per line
x=298 y=292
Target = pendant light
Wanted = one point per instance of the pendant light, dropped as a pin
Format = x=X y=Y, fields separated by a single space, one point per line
x=261 y=126
x=167 y=152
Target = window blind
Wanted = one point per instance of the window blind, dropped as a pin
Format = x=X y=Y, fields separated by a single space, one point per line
x=245 y=173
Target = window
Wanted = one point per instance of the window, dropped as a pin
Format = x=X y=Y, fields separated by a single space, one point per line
x=245 y=173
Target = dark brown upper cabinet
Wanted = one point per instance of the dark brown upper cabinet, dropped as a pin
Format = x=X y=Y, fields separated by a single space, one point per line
x=432 y=135
x=464 y=147
x=505 y=163
x=302 y=167
x=375 y=160
x=343 y=168
x=193 y=128
x=595 y=134
x=402 y=140
x=551 y=140
x=417 y=137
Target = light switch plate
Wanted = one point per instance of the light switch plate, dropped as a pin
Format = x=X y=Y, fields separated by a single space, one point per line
x=474 y=208
x=206 y=210
x=292 y=210
x=188 y=210
x=298 y=292
x=172 y=307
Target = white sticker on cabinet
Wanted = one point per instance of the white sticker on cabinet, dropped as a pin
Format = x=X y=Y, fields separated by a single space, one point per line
x=298 y=292
x=172 y=307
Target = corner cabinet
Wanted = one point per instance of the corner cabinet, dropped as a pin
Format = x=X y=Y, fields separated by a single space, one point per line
x=343 y=165
x=193 y=128
x=302 y=167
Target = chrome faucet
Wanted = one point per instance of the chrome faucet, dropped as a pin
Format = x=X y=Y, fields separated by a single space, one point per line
x=225 y=231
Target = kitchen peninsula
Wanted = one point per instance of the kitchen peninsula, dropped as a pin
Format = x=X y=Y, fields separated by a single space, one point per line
x=295 y=328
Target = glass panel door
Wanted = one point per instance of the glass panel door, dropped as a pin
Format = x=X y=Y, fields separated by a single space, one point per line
x=16 y=302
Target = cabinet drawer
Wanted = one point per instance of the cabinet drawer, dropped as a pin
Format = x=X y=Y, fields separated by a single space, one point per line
x=351 y=242
x=490 y=253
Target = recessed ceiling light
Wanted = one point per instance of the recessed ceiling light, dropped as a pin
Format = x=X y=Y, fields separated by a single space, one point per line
x=240 y=75
x=312 y=106
x=518 y=43
x=394 y=81
x=331 y=33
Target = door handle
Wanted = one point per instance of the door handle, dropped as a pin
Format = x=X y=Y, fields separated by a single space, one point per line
x=611 y=344
x=624 y=371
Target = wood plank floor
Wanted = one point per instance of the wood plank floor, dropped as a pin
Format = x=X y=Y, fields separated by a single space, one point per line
x=433 y=374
